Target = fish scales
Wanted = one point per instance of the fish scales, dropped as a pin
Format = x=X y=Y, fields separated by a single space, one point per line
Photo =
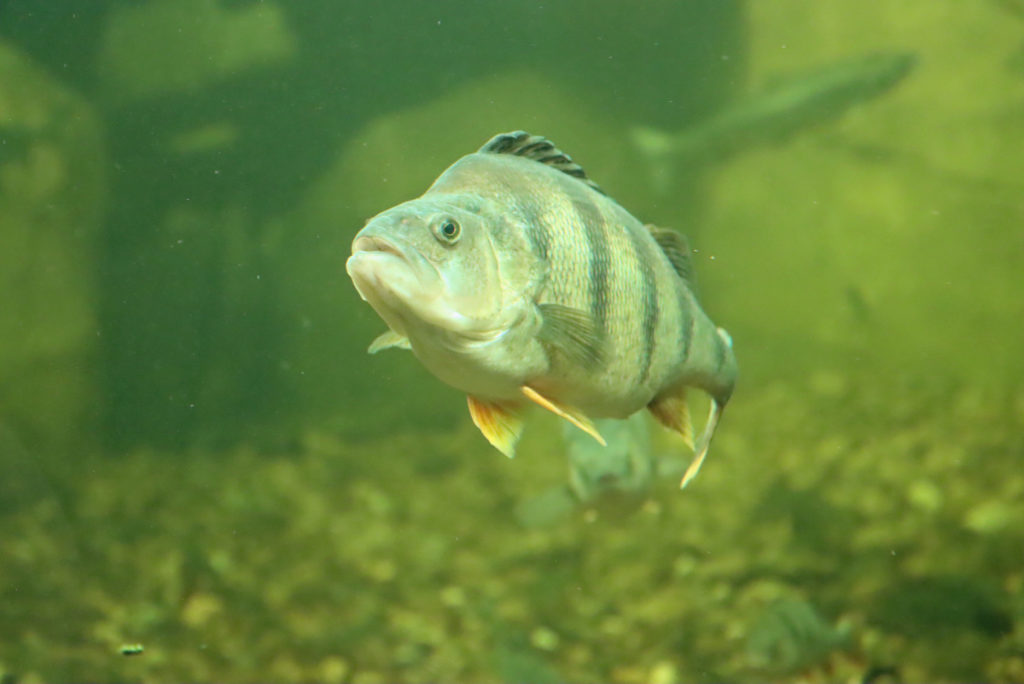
x=515 y=278
x=643 y=255
x=602 y=278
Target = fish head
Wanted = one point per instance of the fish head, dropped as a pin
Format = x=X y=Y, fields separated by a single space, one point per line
x=429 y=264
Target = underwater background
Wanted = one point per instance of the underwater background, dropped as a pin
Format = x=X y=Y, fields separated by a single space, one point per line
x=204 y=477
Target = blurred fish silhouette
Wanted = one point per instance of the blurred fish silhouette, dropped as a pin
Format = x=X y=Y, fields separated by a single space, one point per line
x=627 y=464
x=790 y=635
x=515 y=279
x=773 y=115
x=616 y=476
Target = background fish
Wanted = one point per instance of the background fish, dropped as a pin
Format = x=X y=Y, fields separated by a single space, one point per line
x=775 y=114
x=790 y=635
x=515 y=278
x=620 y=472
x=626 y=464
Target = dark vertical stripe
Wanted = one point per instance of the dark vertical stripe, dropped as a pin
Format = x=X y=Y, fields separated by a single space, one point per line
x=720 y=353
x=687 y=321
x=536 y=230
x=596 y=242
x=642 y=251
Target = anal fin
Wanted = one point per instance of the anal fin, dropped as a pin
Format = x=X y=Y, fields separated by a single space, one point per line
x=571 y=414
x=674 y=413
x=500 y=423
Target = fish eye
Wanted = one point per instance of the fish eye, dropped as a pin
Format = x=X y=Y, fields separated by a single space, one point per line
x=449 y=231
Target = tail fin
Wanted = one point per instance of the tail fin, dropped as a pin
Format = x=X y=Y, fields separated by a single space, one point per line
x=724 y=380
x=700 y=452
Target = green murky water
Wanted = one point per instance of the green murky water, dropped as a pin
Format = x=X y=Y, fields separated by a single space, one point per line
x=204 y=477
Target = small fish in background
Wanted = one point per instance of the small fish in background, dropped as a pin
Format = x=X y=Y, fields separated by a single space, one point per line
x=790 y=635
x=773 y=115
x=627 y=464
x=516 y=279
x=621 y=472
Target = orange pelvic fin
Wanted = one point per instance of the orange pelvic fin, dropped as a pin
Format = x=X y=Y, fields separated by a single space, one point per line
x=571 y=414
x=500 y=423
x=674 y=413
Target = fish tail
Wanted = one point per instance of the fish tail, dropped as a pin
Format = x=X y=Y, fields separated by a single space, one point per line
x=700 y=452
x=720 y=387
x=715 y=373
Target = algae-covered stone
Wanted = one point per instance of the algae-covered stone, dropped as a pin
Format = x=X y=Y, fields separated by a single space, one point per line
x=925 y=495
x=171 y=46
x=990 y=517
x=52 y=191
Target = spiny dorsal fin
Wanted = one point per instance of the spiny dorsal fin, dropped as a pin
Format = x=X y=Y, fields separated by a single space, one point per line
x=676 y=248
x=540 y=149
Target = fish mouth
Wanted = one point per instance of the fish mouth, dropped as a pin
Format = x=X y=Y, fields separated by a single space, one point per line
x=400 y=283
x=372 y=243
x=388 y=275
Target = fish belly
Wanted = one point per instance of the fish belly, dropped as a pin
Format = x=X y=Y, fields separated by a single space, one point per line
x=495 y=371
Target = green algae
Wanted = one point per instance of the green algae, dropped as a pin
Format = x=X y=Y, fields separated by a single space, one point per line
x=357 y=561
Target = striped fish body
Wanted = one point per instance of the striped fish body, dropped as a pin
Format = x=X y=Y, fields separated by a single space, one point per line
x=551 y=291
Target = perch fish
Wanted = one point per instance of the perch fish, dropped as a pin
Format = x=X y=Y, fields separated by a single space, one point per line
x=615 y=477
x=515 y=279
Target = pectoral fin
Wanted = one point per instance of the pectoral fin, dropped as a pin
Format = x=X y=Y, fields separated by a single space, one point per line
x=388 y=340
x=500 y=423
x=571 y=414
x=572 y=332
x=674 y=413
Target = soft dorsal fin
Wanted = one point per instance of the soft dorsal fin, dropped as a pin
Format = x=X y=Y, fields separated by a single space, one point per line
x=539 y=149
x=676 y=248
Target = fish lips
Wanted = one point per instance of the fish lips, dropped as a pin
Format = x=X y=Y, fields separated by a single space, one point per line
x=396 y=281
x=380 y=268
